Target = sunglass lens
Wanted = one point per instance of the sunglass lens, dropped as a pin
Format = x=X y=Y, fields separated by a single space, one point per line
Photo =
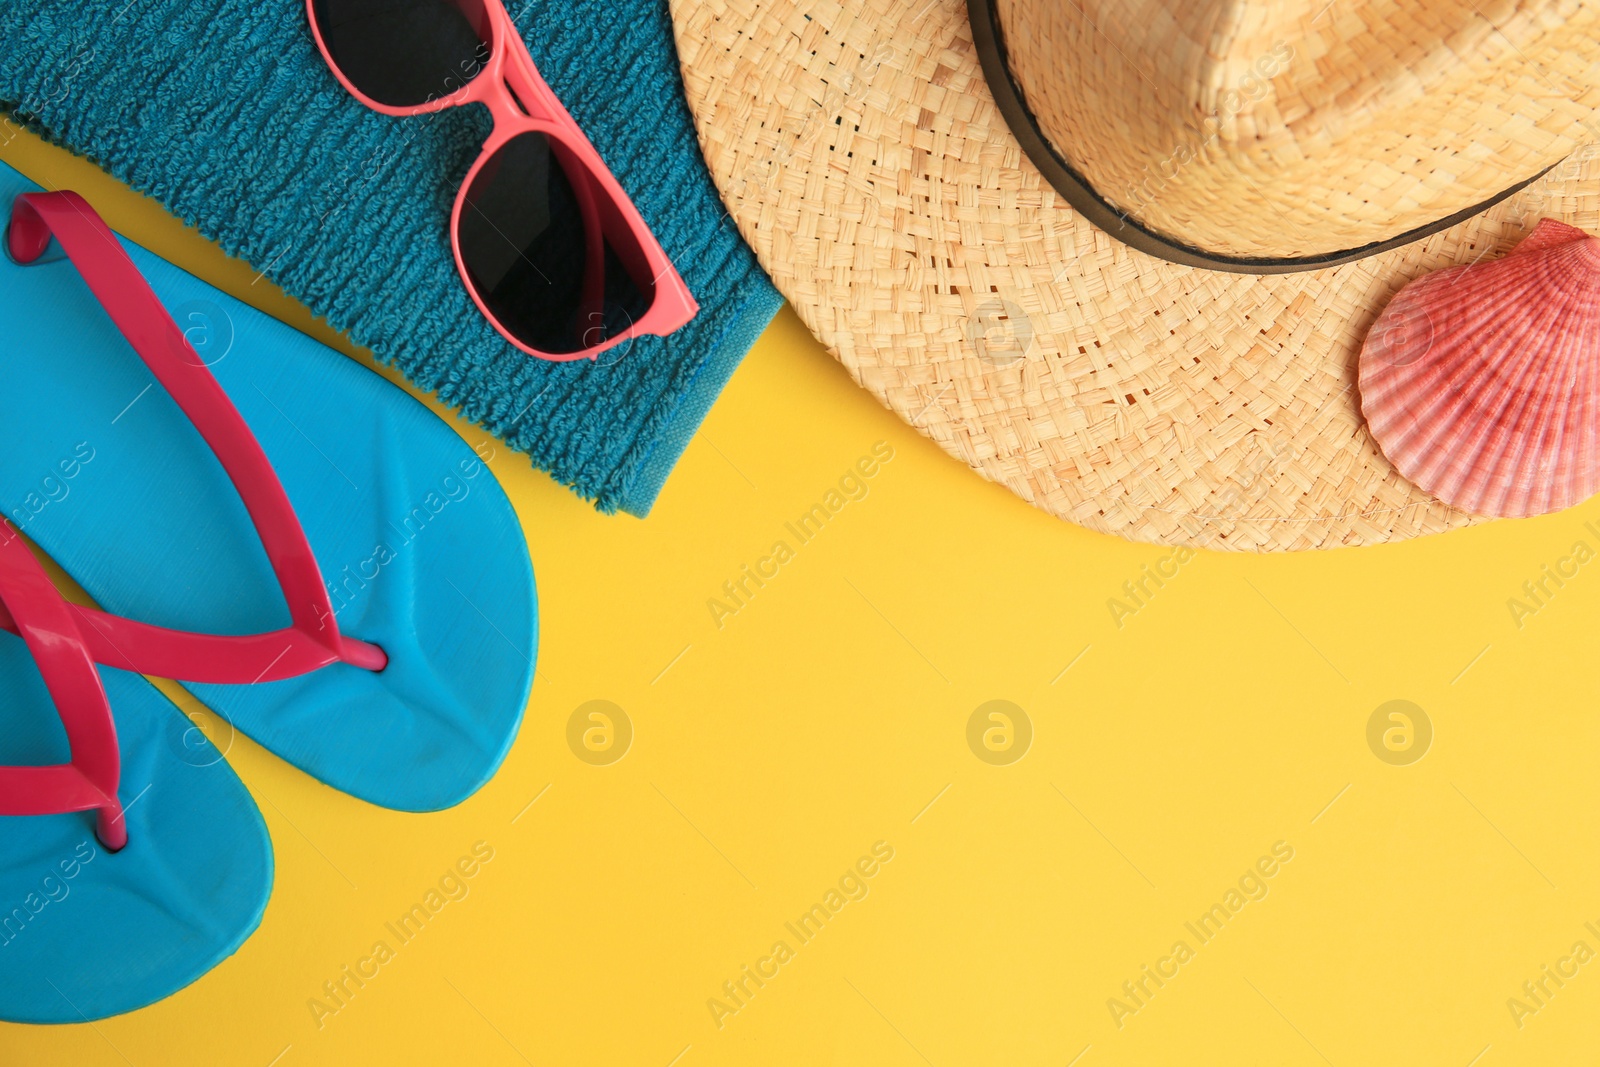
x=546 y=252
x=403 y=53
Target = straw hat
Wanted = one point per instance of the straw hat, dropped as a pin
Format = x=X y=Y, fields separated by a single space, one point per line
x=1127 y=275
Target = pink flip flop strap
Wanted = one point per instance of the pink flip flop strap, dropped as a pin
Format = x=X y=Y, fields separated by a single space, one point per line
x=312 y=640
x=46 y=624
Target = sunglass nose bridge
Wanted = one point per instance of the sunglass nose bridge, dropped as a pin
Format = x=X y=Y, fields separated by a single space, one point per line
x=511 y=91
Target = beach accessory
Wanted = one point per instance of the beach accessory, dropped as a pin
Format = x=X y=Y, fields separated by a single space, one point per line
x=1139 y=305
x=1482 y=383
x=348 y=209
x=370 y=577
x=550 y=247
x=132 y=859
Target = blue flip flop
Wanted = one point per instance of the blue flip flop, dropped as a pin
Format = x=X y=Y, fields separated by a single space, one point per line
x=420 y=553
x=99 y=918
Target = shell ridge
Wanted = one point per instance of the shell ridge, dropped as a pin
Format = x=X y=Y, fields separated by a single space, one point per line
x=1529 y=437
x=1510 y=435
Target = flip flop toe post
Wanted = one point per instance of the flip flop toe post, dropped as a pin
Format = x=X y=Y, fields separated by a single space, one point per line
x=132 y=860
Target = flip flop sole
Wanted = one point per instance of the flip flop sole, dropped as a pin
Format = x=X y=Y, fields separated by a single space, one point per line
x=86 y=933
x=420 y=549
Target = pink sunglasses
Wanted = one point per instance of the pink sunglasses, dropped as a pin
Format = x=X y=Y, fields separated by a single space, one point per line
x=552 y=250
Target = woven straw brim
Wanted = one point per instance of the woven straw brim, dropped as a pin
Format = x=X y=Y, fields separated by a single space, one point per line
x=859 y=151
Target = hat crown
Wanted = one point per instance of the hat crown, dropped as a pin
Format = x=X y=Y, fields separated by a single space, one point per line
x=1304 y=127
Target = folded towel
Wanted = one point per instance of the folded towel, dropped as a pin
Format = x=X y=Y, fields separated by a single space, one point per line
x=225 y=112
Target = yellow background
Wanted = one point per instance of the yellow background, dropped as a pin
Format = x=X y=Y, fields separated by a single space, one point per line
x=831 y=712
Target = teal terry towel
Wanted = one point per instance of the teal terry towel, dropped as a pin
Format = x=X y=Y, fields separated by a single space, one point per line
x=225 y=112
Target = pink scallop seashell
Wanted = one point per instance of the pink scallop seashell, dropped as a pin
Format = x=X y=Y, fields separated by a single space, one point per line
x=1481 y=383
